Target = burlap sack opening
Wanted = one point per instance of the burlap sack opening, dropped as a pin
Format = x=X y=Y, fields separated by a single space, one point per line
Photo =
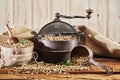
x=20 y=32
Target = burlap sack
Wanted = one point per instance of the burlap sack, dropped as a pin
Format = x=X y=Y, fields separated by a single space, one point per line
x=15 y=57
x=100 y=45
x=3 y=38
x=20 y=32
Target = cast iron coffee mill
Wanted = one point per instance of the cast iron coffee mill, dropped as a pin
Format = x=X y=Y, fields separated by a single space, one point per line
x=56 y=39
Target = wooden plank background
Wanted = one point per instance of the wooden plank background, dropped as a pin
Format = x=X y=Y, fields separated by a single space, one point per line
x=36 y=13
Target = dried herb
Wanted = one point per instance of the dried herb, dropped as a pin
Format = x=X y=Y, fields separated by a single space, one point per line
x=22 y=41
x=67 y=63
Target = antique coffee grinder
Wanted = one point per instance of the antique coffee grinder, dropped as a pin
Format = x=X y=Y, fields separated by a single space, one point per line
x=56 y=39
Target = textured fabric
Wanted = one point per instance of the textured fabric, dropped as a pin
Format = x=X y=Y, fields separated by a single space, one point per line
x=15 y=57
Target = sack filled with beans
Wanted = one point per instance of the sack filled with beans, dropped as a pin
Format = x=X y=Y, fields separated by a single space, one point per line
x=16 y=54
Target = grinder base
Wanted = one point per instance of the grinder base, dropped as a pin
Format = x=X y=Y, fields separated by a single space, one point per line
x=52 y=57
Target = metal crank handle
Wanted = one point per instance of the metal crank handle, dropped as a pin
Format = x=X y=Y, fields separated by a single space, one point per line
x=109 y=70
x=70 y=17
x=88 y=16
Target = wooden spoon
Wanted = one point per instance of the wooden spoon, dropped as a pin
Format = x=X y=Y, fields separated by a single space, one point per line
x=11 y=39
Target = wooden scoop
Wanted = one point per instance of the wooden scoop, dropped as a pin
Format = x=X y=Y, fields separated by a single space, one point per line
x=86 y=51
x=11 y=39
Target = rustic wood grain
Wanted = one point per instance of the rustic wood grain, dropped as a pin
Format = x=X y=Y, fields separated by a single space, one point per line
x=36 y=13
x=59 y=77
x=114 y=63
x=98 y=20
x=95 y=74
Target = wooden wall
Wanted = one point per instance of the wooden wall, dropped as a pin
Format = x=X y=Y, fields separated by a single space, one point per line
x=36 y=13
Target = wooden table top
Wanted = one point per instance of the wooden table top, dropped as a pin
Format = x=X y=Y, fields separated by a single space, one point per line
x=95 y=74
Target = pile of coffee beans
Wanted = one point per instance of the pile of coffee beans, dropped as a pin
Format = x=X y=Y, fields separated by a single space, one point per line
x=58 y=37
x=21 y=44
x=78 y=63
x=82 y=60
